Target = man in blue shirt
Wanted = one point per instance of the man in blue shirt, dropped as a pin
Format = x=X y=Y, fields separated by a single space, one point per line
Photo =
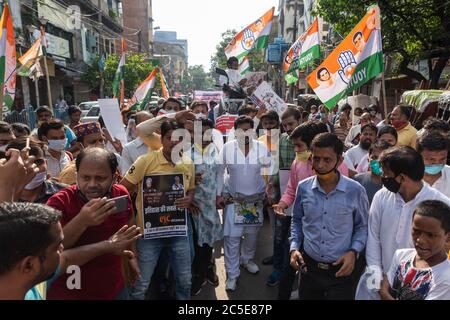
x=329 y=225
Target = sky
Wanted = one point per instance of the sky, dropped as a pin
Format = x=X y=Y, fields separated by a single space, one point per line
x=201 y=22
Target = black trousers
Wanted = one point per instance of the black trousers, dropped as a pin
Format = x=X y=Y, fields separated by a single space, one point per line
x=319 y=284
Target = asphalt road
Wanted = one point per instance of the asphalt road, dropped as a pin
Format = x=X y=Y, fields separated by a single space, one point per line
x=249 y=286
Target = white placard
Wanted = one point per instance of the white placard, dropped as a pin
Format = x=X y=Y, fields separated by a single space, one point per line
x=110 y=112
x=265 y=96
x=284 y=179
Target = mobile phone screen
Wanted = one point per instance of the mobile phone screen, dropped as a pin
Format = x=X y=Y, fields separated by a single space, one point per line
x=121 y=203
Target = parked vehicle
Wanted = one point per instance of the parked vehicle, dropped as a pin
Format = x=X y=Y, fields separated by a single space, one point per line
x=92 y=115
x=86 y=106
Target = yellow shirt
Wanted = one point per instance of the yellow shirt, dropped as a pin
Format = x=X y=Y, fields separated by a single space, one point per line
x=407 y=136
x=154 y=162
x=69 y=174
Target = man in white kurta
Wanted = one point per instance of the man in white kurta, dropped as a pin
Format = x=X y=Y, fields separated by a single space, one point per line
x=390 y=220
x=244 y=179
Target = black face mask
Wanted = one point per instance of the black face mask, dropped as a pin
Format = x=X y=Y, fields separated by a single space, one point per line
x=391 y=184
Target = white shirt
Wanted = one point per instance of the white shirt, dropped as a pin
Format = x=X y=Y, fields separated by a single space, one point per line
x=245 y=177
x=352 y=134
x=131 y=151
x=233 y=75
x=363 y=165
x=443 y=183
x=433 y=283
x=353 y=156
x=390 y=223
x=55 y=166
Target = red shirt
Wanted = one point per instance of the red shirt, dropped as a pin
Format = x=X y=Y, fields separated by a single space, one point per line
x=101 y=278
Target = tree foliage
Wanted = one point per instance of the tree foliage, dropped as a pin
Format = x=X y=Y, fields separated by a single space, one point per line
x=411 y=29
x=198 y=79
x=255 y=57
x=136 y=70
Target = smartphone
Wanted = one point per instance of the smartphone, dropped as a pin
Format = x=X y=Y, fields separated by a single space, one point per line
x=121 y=203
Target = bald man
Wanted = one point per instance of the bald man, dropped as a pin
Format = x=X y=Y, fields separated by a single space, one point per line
x=136 y=148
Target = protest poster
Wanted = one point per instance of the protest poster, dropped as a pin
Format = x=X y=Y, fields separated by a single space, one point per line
x=110 y=111
x=162 y=219
x=208 y=95
x=265 y=96
x=225 y=123
x=252 y=81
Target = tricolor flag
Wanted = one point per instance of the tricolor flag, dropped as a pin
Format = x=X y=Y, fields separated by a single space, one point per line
x=254 y=36
x=302 y=52
x=356 y=60
x=164 y=86
x=244 y=66
x=119 y=77
x=7 y=57
x=143 y=93
x=30 y=60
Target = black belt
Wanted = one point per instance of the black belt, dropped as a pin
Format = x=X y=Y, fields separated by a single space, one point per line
x=312 y=264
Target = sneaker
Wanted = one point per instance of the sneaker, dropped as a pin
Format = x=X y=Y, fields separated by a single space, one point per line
x=273 y=279
x=251 y=267
x=267 y=261
x=230 y=285
x=212 y=277
x=197 y=285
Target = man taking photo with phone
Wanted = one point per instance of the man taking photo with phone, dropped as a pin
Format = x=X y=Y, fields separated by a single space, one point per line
x=89 y=215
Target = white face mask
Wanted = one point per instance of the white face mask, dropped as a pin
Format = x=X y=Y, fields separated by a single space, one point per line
x=200 y=116
x=57 y=145
x=37 y=181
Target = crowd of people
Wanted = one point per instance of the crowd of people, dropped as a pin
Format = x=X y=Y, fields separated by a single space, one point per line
x=358 y=205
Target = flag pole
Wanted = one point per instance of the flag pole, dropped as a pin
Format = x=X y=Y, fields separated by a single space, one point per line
x=383 y=88
x=49 y=91
x=44 y=49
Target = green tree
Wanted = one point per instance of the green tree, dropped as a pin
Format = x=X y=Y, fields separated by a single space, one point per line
x=198 y=79
x=136 y=70
x=255 y=57
x=411 y=30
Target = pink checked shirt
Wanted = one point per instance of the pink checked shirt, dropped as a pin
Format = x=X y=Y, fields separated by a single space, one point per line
x=299 y=171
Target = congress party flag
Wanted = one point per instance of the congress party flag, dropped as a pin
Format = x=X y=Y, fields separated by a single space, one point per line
x=356 y=60
x=144 y=91
x=7 y=57
x=119 y=77
x=164 y=85
x=254 y=36
x=244 y=66
x=302 y=52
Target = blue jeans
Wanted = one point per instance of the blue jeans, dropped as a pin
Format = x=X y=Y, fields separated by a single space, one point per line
x=179 y=252
x=281 y=243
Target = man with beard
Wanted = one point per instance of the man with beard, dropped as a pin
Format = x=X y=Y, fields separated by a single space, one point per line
x=89 y=216
x=354 y=155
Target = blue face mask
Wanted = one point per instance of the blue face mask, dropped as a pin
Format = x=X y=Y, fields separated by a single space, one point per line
x=375 y=168
x=433 y=169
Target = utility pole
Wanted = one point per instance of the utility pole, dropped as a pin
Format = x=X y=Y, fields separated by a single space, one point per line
x=139 y=35
x=100 y=48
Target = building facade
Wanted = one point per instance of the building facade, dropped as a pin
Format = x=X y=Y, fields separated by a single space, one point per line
x=138 y=24
x=76 y=32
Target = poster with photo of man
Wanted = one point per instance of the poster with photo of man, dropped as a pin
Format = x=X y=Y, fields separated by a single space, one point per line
x=162 y=219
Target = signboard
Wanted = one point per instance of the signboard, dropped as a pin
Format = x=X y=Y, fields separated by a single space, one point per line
x=162 y=219
x=56 y=46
